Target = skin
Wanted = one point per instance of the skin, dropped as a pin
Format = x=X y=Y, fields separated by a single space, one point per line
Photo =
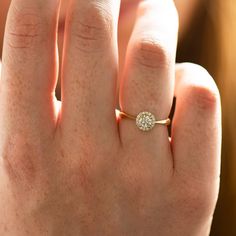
x=74 y=168
x=186 y=9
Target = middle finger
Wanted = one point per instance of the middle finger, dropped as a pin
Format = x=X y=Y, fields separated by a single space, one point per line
x=90 y=67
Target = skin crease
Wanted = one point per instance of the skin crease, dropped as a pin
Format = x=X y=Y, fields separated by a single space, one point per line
x=57 y=176
x=185 y=8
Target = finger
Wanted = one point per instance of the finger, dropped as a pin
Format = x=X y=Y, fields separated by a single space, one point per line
x=29 y=65
x=148 y=81
x=196 y=130
x=90 y=67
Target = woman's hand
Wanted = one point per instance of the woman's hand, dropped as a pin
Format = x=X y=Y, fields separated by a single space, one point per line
x=80 y=171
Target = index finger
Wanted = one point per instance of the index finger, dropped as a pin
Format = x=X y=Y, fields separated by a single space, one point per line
x=29 y=65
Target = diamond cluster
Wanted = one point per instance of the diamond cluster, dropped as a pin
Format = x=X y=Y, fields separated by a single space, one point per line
x=145 y=121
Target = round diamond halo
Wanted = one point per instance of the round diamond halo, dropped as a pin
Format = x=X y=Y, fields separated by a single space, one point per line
x=145 y=121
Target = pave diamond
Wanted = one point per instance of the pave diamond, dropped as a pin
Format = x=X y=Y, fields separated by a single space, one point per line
x=145 y=121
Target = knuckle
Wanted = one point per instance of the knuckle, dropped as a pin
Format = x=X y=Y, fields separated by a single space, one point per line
x=91 y=29
x=204 y=97
x=204 y=92
x=151 y=53
x=26 y=28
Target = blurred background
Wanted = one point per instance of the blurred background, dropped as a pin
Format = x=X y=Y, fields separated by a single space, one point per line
x=209 y=40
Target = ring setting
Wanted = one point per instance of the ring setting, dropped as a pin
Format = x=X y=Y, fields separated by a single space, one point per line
x=145 y=120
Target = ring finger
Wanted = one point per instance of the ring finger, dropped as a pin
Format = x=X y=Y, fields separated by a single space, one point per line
x=148 y=81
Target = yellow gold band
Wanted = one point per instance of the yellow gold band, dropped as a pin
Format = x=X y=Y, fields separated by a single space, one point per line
x=145 y=121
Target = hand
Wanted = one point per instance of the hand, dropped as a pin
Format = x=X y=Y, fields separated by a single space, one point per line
x=77 y=170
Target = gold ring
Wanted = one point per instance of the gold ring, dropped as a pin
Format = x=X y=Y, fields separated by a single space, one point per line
x=145 y=120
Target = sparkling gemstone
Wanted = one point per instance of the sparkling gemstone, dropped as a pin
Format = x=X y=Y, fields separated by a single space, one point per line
x=145 y=121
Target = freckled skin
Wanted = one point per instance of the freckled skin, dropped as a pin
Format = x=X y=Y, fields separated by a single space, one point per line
x=79 y=171
x=185 y=8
